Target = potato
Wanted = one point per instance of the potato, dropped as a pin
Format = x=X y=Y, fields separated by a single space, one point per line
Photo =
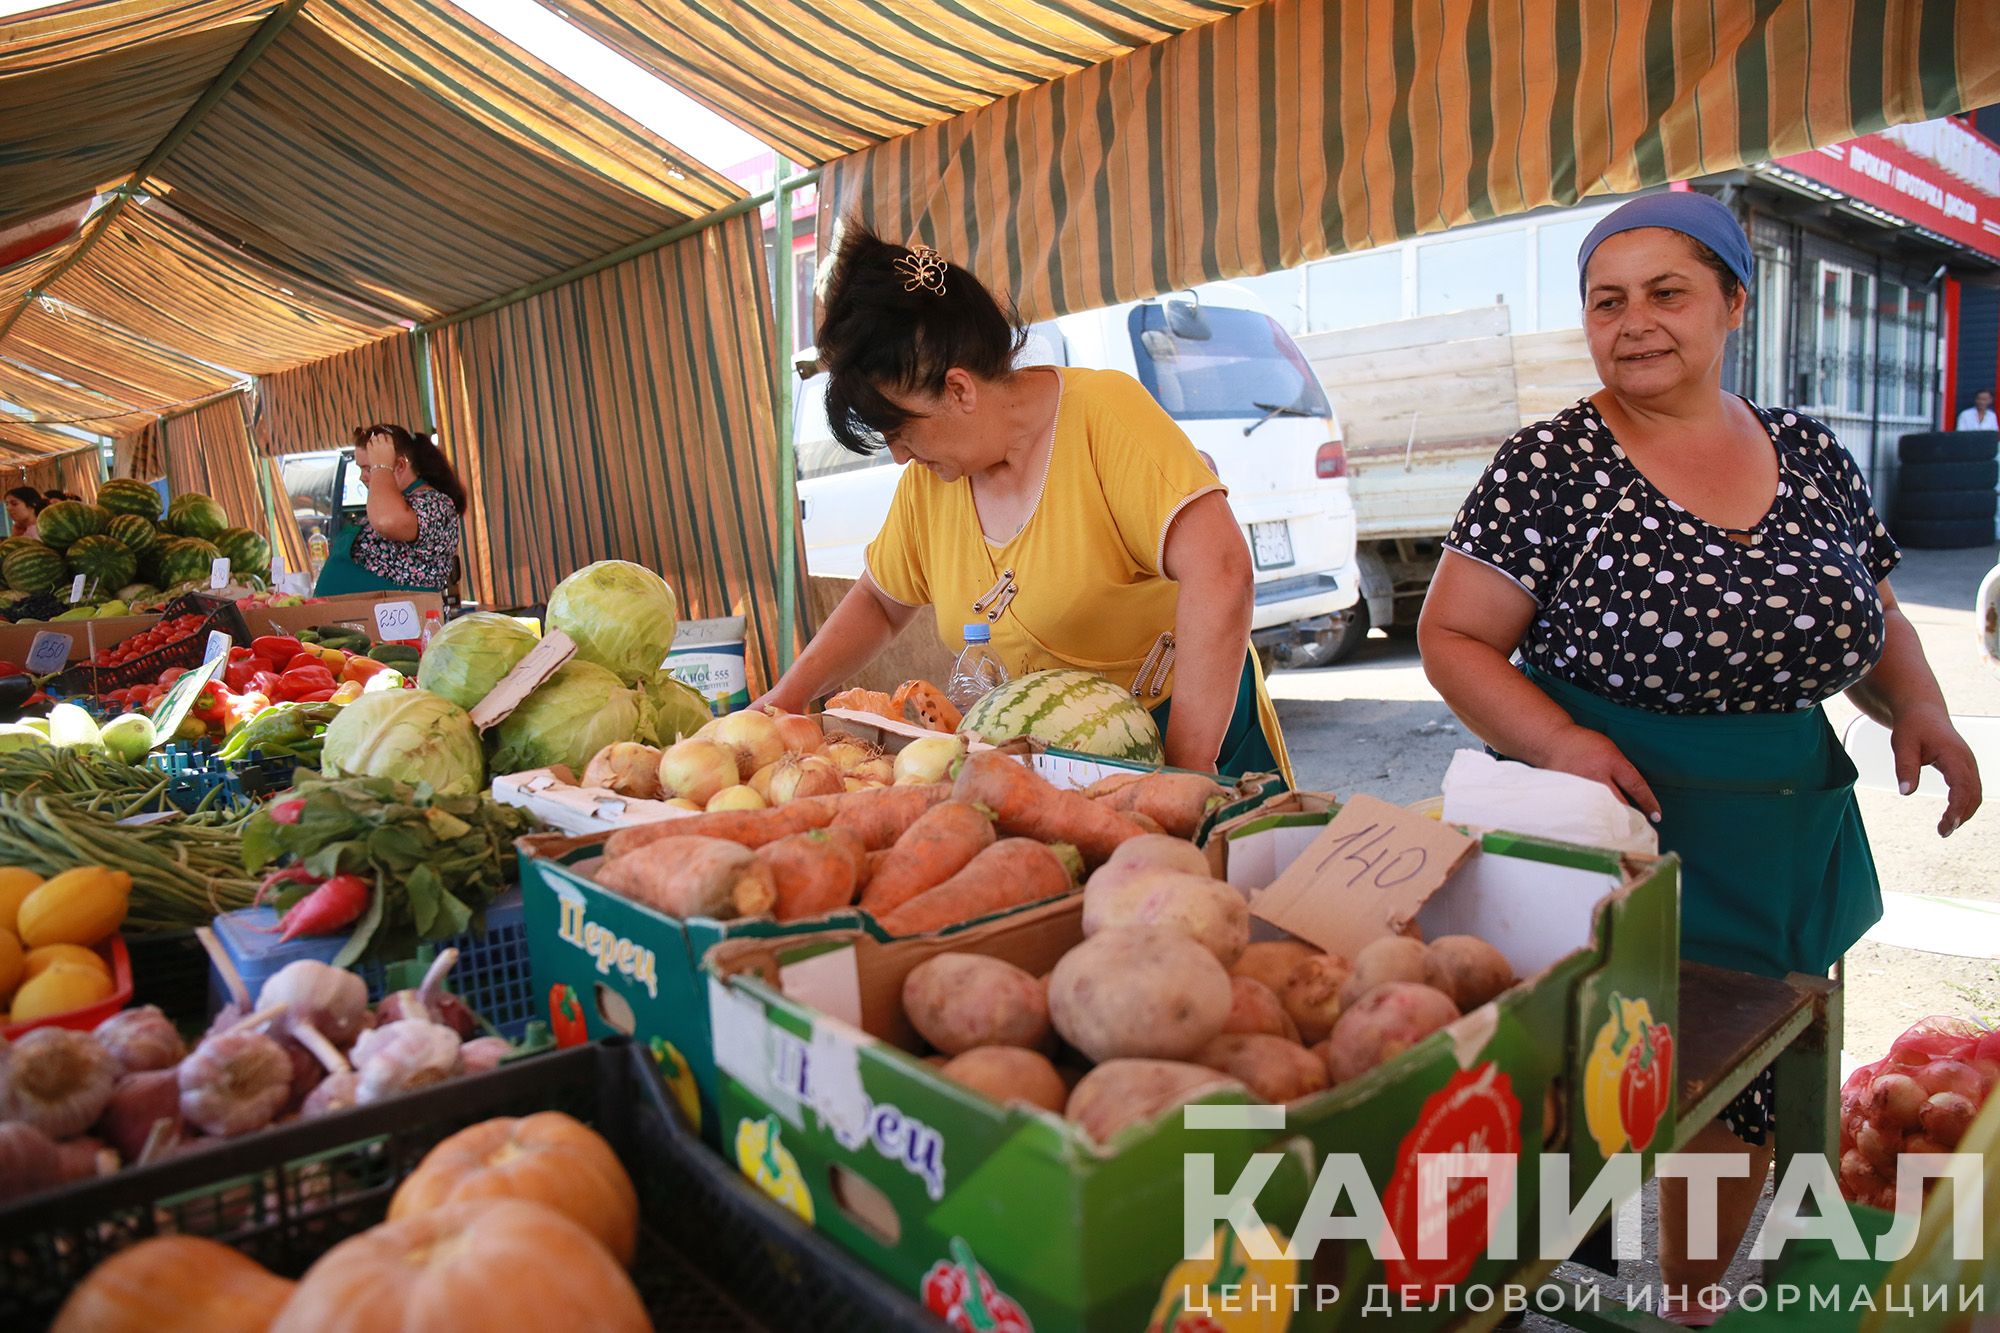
x=1119 y=1093
x=1254 y=1008
x=1312 y=994
x=1010 y=1074
x=1466 y=968
x=1157 y=851
x=1391 y=958
x=1385 y=1022
x=961 y=1000
x=1139 y=991
x=1209 y=912
x=1272 y=961
x=1274 y=1069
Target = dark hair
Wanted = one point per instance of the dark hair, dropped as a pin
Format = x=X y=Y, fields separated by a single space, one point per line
x=30 y=497
x=426 y=459
x=1715 y=263
x=50 y=497
x=883 y=329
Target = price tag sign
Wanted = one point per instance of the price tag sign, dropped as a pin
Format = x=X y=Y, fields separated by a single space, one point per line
x=397 y=621
x=218 y=647
x=218 y=572
x=1363 y=877
x=278 y=567
x=541 y=662
x=173 y=709
x=76 y=590
x=49 y=653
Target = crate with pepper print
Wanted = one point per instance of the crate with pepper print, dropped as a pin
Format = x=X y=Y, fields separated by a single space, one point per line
x=606 y=965
x=1010 y=1217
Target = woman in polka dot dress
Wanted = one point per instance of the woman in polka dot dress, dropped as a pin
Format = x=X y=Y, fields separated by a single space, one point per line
x=1684 y=578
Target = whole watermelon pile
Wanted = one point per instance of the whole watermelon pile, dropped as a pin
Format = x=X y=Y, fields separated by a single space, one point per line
x=33 y=568
x=138 y=535
x=127 y=540
x=67 y=522
x=194 y=515
x=185 y=560
x=248 y=553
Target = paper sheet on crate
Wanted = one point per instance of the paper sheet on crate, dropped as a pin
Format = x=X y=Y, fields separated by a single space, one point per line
x=1483 y=792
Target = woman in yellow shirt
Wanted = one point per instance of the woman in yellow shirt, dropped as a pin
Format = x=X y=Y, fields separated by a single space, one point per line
x=1061 y=506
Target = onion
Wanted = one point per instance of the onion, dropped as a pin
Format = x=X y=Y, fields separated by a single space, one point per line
x=736 y=798
x=854 y=784
x=682 y=803
x=754 y=737
x=760 y=781
x=810 y=776
x=1893 y=1101
x=696 y=770
x=877 y=772
x=1952 y=1076
x=1946 y=1117
x=1858 y=1179
x=928 y=760
x=1880 y=1149
x=626 y=767
x=707 y=731
x=801 y=735
x=848 y=753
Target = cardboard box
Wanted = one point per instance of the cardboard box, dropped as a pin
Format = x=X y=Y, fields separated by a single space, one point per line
x=826 y=1105
x=357 y=612
x=16 y=640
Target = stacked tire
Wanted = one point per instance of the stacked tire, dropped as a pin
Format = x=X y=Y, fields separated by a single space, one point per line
x=1945 y=489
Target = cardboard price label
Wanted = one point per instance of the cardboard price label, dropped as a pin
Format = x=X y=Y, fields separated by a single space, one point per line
x=49 y=653
x=218 y=572
x=397 y=621
x=173 y=709
x=219 y=645
x=1363 y=877
x=76 y=590
x=541 y=662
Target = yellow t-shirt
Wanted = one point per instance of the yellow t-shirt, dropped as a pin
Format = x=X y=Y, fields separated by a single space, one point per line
x=1092 y=592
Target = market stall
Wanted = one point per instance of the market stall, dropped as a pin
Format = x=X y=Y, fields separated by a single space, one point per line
x=883 y=1016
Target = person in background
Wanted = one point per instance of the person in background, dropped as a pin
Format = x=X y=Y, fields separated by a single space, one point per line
x=409 y=539
x=1980 y=415
x=1657 y=589
x=23 y=504
x=50 y=497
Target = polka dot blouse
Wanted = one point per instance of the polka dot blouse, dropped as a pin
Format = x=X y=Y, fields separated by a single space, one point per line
x=1646 y=605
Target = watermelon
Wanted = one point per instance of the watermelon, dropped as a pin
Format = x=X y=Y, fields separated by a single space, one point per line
x=136 y=534
x=1071 y=710
x=65 y=521
x=12 y=544
x=137 y=592
x=248 y=553
x=195 y=515
x=123 y=495
x=34 y=568
x=185 y=560
x=105 y=562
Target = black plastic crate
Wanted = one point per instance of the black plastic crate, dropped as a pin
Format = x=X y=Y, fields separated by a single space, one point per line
x=714 y=1253
x=217 y=613
x=170 y=970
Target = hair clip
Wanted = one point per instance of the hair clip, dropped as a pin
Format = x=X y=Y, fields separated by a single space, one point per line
x=923 y=267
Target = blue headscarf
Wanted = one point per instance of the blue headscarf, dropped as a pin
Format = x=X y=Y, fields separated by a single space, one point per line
x=1700 y=216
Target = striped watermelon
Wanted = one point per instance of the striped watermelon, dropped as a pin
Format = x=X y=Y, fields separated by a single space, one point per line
x=1069 y=709
x=186 y=560
x=137 y=534
x=123 y=495
x=34 y=569
x=65 y=521
x=248 y=553
x=105 y=561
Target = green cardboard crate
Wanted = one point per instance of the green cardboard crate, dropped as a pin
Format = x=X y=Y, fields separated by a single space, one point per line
x=933 y=1185
x=620 y=968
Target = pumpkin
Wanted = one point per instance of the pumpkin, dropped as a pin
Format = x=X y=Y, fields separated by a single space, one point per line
x=467 y=1268
x=549 y=1158
x=175 y=1284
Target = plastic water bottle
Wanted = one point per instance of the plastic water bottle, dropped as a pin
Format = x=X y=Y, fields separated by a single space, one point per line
x=978 y=670
x=317 y=550
x=433 y=622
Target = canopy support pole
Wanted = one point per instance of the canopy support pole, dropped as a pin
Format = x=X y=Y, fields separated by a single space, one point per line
x=267 y=32
x=788 y=490
x=420 y=352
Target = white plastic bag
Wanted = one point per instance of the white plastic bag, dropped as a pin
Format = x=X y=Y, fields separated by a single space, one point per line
x=1485 y=792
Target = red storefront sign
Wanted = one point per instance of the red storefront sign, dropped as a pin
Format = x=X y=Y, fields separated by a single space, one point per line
x=1880 y=171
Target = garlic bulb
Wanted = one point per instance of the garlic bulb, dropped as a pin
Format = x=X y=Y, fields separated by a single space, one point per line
x=30 y=1160
x=57 y=1080
x=330 y=999
x=235 y=1082
x=430 y=1001
x=141 y=1039
x=484 y=1053
x=336 y=1092
x=141 y=1101
x=411 y=1053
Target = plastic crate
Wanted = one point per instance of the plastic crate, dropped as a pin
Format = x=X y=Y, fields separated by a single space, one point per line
x=193 y=773
x=83 y=1019
x=217 y=613
x=714 y=1253
x=491 y=975
x=170 y=971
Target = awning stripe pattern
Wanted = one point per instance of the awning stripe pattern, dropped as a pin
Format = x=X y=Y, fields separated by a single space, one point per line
x=317 y=406
x=823 y=78
x=108 y=360
x=627 y=415
x=209 y=450
x=1303 y=128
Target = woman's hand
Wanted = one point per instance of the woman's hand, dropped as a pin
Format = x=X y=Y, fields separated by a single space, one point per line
x=1592 y=754
x=1924 y=738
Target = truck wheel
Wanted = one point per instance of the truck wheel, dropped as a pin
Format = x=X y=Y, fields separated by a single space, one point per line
x=1342 y=642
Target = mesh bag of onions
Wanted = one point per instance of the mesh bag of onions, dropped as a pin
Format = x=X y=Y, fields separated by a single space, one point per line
x=1920 y=1098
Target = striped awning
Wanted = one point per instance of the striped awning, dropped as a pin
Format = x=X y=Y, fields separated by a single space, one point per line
x=318 y=406
x=819 y=80
x=1303 y=128
x=109 y=360
x=20 y=440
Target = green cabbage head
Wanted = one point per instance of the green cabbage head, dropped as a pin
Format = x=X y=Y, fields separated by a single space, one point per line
x=575 y=713
x=468 y=657
x=622 y=616
x=673 y=709
x=413 y=736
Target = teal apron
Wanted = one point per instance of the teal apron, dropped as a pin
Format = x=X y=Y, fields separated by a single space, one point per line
x=1776 y=875
x=342 y=575
x=1244 y=749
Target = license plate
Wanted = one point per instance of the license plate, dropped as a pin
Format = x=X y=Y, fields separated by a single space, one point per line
x=1271 y=545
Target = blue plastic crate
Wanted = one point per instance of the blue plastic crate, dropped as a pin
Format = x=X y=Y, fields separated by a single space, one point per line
x=192 y=772
x=491 y=975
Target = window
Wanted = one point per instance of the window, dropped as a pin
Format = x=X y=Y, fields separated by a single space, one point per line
x=1208 y=362
x=805 y=270
x=1355 y=291
x=1472 y=271
x=1278 y=293
x=1558 y=306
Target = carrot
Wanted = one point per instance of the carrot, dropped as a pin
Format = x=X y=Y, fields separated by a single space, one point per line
x=1178 y=802
x=1026 y=805
x=871 y=865
x=883 y=815
x=934 y=849
x=1011 y=873
x=814 y=872
x=692 y=877
x=747 y=828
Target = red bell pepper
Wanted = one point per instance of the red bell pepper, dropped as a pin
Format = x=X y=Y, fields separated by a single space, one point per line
x=265 y=682
x=297 y=660
x=276 y=647
x=298 y=682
